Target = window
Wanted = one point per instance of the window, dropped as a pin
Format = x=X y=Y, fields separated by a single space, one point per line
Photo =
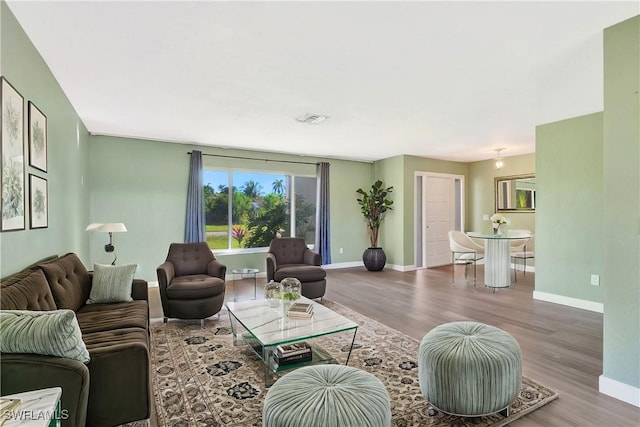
x=248 y=209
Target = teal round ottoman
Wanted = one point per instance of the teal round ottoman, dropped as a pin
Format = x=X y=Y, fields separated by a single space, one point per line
x=327 y=396
x=469 y=368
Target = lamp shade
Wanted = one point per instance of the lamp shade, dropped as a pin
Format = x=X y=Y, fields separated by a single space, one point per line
x=109 y=227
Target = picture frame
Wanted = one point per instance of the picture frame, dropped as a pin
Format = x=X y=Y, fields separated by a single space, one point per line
x=38 y=202
x=37 y=138
x=12 y=179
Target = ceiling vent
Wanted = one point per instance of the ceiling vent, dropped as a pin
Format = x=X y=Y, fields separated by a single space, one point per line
x=313 y=119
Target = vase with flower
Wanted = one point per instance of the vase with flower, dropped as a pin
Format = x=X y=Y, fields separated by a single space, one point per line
x=497 y=222
x=291 y=290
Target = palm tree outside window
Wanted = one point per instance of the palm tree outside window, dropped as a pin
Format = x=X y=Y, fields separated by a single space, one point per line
x=247 y=209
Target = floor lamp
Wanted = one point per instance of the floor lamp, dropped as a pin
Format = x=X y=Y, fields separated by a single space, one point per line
x=109 y=227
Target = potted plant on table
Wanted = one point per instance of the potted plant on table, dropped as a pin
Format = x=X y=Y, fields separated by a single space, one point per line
x=374 y=205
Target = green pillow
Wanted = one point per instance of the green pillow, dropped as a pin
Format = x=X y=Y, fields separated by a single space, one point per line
x=52 y=333
x=111 y=283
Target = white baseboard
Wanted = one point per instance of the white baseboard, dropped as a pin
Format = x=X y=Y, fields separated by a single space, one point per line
x=571 y=302
x=620 y=391
x=402 y=268
x=530 y=268
x=351 y=264
x=339 y=265
x=361 y=264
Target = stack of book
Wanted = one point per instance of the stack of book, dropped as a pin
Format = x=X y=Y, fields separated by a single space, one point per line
x=293 y=353
x=300 y=310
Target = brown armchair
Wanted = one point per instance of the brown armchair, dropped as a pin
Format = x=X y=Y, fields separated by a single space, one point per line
x=290 y=257
x=191 y=282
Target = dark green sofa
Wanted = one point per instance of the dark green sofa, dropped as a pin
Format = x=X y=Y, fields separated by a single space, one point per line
x=114 y=386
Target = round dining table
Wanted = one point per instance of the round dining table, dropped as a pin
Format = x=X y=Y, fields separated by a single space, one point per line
x=497 y=256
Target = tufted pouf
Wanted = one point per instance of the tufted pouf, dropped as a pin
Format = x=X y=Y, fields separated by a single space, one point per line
x=469 y=368
x=327 y=396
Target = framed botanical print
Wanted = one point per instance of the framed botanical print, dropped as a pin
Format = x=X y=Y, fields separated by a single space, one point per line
x=38 y=202
x=12 y=183
x=37 y=138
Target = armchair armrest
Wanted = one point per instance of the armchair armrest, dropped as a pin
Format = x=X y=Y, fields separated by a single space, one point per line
x=166 y=272
x=272 y=266
x=312 y=258
x=216 y=269
x=25 y=372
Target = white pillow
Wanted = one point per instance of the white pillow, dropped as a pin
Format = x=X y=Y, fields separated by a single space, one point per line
x=111 y=283
x=52 y=333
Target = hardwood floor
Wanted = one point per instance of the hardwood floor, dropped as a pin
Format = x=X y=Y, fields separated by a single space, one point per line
x=561 y=346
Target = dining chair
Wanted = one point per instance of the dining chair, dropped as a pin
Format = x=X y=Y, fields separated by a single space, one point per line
x=517 y=245
x=519 y=252
x=464 y=251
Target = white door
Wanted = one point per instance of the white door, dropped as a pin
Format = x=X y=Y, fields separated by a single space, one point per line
x=440 y=218
x=439 y=208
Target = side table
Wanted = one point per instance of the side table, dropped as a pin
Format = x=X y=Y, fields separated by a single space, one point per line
x=242 y=272
x=38 y=408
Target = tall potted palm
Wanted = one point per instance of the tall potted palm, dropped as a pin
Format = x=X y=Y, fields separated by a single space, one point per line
x=374 y=205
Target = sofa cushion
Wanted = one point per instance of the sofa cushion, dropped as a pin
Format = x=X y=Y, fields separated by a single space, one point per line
x=52 y=333
x=100 y=343
x=196 y=286
x=28 y=290
x=107 y=317
x=69 y=281
x=119 y=390
x=111 y=283
x=302 y=272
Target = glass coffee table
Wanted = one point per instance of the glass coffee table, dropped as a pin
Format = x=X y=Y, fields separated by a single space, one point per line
x=264 y=328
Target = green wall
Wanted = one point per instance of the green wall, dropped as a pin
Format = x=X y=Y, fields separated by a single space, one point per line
x=144 y=183
x=68 y=156
x=621 y=279
x=397 y=232
x=391 y=236
x=588 y=212
x=414 y=164
x=569 y=215
x=481 y=194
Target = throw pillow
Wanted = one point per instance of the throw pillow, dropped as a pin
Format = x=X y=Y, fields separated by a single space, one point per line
x=52 y=333
x=111 y=283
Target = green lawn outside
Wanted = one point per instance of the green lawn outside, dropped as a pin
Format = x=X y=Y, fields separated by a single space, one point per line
x=221 y=242
x=216 y=227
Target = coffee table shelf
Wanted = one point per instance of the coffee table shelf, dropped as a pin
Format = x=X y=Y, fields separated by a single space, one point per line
x=263 y=328
x=318 y=356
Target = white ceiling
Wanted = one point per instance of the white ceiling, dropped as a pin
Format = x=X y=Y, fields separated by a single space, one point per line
x=447 y=80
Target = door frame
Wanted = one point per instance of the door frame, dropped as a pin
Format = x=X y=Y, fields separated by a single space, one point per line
x=420 y=229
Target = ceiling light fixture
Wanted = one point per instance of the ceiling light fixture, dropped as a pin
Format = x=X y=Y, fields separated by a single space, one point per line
x=499 y=161
x=312 y=119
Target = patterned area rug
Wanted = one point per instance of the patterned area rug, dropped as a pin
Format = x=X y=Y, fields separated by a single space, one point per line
x=201 y=379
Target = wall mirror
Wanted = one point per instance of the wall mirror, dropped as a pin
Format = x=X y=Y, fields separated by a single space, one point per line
x=516 y=193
